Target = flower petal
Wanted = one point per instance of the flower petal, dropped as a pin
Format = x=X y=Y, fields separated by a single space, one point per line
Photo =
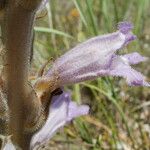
x=61 y=111
x=75 y=110
x=134 y=58
x=125 y=28
x=121 y=68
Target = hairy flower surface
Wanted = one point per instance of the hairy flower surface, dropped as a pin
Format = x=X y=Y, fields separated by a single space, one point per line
x=94 y=58
x=61 y=111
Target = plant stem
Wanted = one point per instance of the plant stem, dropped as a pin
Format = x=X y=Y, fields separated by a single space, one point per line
x=18 y=33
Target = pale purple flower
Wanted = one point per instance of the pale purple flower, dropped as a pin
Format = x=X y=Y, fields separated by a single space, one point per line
x=97 y=57
x=61 y=111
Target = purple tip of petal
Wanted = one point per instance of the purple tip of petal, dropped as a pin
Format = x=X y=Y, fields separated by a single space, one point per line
x=134 y=58
x=139 y=83
x=125 y=27
x=136 y=83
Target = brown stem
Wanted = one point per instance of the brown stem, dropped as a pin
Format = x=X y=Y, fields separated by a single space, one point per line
x=18 y=30
x=4 y=116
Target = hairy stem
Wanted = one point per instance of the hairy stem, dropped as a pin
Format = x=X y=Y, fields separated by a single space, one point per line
x=18 y=33
x=4 y=117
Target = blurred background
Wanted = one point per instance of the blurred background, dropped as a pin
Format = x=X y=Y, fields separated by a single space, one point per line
x=119 y=118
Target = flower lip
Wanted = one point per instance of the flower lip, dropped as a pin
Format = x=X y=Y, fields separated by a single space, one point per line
x=129 y=37
x=134 y=58
x=62 y=110
x=125 y=27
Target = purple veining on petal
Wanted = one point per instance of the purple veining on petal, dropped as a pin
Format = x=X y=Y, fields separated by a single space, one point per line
x=62 y=110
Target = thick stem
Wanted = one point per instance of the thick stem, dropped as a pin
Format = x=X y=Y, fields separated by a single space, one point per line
x=18 y=27
x=18 y=33
x=4 y=116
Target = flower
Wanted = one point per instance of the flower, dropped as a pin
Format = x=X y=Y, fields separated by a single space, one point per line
x=61 y=111
x=94 y=58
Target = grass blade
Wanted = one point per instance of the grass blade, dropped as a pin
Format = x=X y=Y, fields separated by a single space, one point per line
x=54 y=31
x=115 y=104
x=78 y=6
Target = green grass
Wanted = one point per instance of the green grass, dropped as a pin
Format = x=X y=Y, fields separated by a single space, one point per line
x=114 y=105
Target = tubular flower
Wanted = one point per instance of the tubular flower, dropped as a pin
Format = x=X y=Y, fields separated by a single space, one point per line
x=61 y=111
x=94 y=58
